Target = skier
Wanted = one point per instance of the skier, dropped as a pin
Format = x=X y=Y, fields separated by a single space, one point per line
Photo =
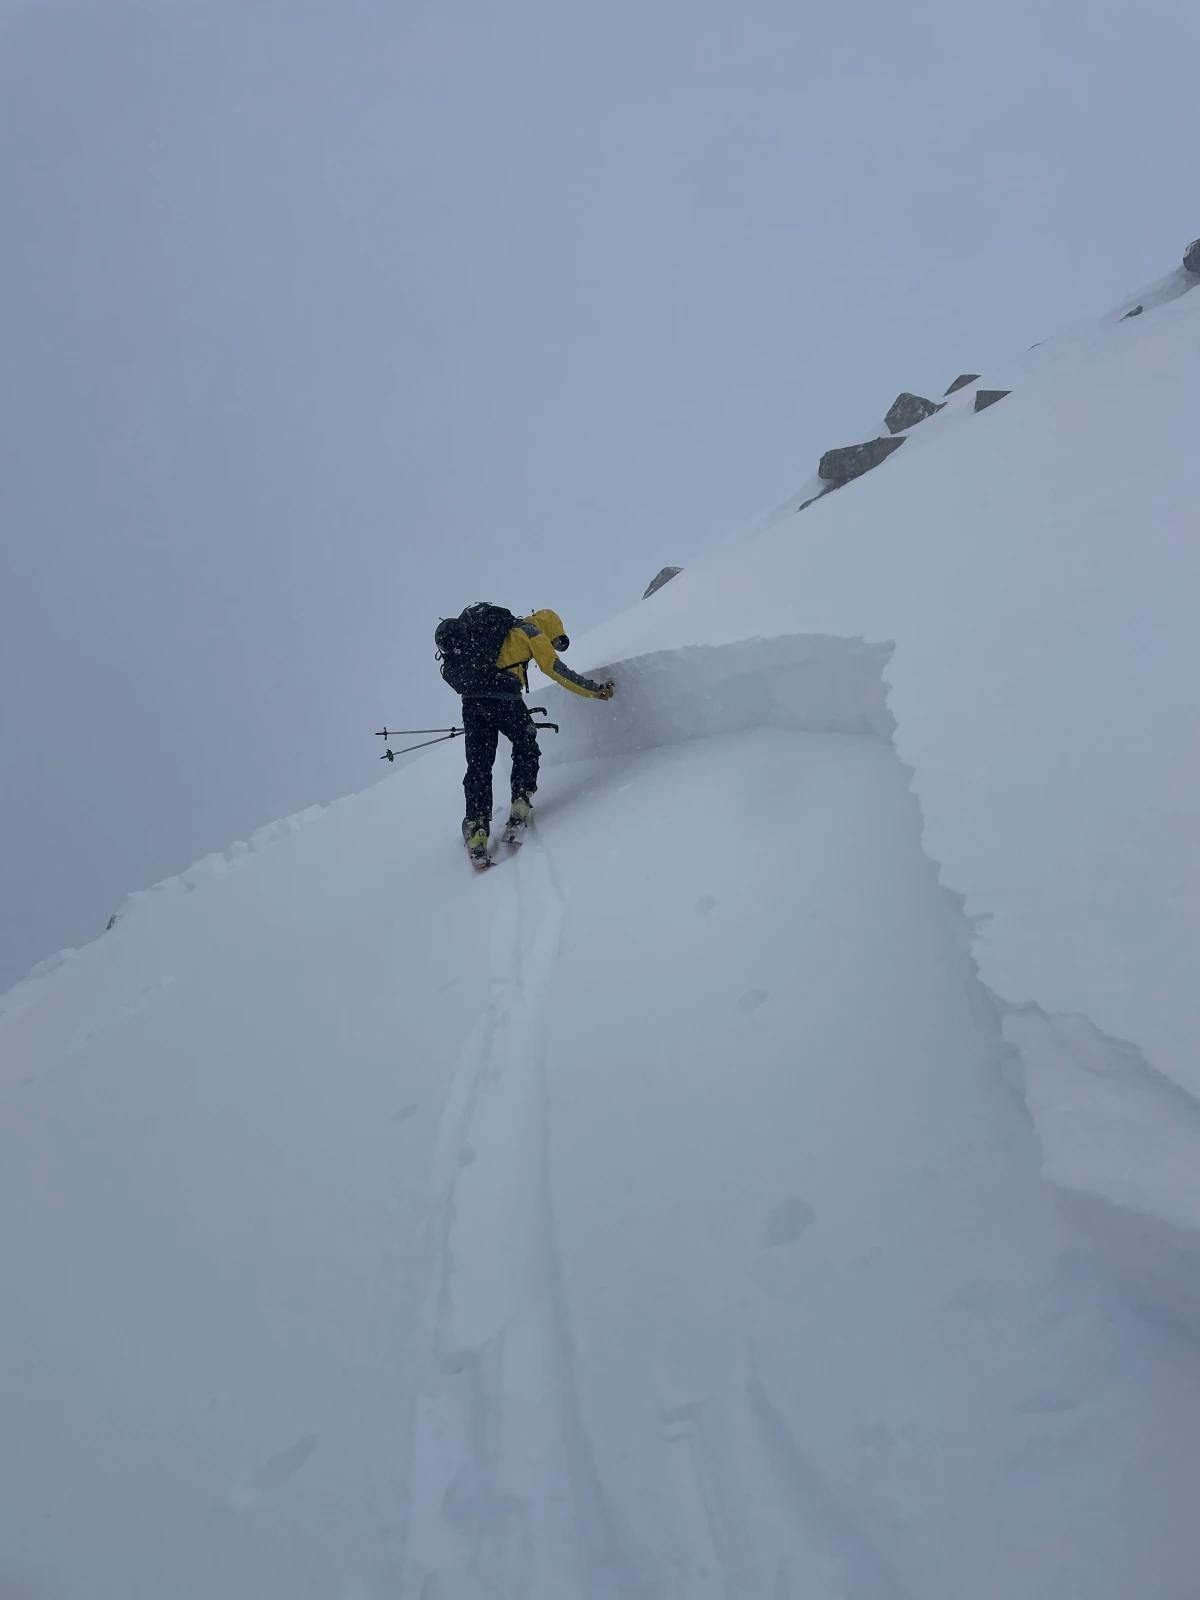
x=485 y=657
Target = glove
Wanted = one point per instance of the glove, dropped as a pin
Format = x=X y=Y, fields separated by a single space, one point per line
x=605 y=691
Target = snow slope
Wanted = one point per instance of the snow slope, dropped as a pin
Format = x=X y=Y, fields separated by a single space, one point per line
x=1035 y=568
x=1032 y=574
x=805 y=1212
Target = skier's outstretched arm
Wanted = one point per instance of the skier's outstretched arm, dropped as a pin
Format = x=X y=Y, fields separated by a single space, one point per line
x=554 y=667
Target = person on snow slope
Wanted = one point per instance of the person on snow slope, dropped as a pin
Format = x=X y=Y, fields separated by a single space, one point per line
x=539 y=637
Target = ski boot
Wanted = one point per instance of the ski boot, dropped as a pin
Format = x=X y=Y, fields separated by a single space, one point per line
x=475 y=837
x=519 y=817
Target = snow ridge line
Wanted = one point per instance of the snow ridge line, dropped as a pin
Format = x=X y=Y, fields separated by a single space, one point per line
x=217 y=864
x=220 y=863
x=505 y=1498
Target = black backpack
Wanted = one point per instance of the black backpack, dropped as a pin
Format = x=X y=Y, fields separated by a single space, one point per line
x=467 y=647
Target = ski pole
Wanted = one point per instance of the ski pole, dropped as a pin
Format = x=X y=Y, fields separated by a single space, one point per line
x=390 y=755
x=446 y=734
x=400 y=733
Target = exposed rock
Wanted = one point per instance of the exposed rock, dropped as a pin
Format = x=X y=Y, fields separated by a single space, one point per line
x=1191 y=257
x=1136 y=312
x=665 y=576
x=852 y=460
x=988 y=397
x=804 y=504
x=961 y=382
x=909 y=409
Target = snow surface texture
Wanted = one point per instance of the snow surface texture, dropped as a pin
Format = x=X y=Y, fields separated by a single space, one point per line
x=777 y=1180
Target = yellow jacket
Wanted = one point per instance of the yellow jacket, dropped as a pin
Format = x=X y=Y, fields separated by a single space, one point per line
x=530 y=641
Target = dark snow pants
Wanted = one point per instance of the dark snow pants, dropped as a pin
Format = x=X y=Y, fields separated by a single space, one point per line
x=483 y=721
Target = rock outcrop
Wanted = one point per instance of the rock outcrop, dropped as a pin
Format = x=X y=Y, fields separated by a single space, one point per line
x=909 y=409
x=988 y=397
x=852 y=460
x=812 y=500
x=664 y=576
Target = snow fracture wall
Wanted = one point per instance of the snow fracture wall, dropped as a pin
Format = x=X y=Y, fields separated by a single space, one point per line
x=1118 y=1137
x=801 y=684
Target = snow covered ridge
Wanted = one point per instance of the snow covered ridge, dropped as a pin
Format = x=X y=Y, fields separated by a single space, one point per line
x=1163 y=290
x=220 y=863
x=844 y=464
x=208 y=869
x=1032 y=573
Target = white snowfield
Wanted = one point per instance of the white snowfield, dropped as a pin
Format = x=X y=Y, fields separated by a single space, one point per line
x=779 y=1181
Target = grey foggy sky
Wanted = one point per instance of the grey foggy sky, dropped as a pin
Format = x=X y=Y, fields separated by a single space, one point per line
x=323 y=319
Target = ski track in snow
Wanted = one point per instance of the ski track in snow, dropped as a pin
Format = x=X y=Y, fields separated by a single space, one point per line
x=506 y=1500
x=754 y=1518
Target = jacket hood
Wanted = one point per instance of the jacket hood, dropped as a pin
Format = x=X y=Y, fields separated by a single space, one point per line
x=549 y=622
